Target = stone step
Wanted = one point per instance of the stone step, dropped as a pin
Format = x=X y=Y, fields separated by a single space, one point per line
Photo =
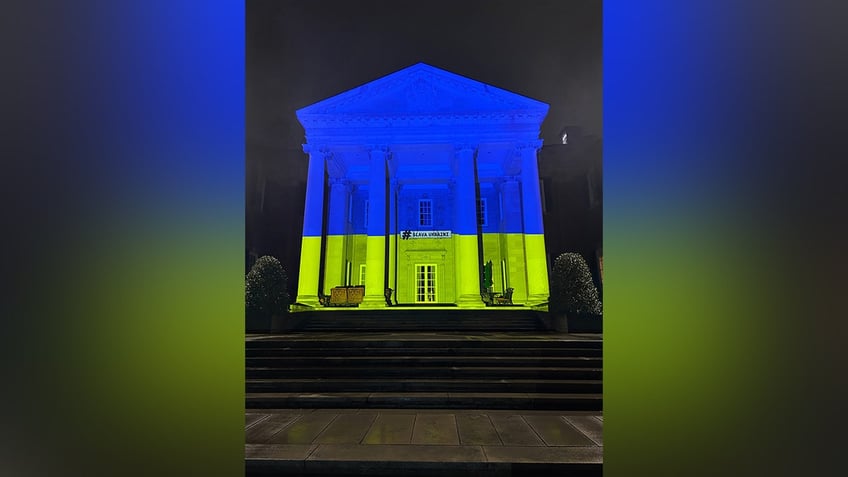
x=443 y=315
x=392 y=327
x=420 y=326
x=408 y=351
x=423 y=361
x=325 y=318
x=421 y=320
x=389 y=327
x=434 y=400
x=399 y=341
x=446 y=316
x=424 y=385
x=404 y=372
x=423 y=313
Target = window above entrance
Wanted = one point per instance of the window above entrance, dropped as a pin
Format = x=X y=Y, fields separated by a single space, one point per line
x=425 y=213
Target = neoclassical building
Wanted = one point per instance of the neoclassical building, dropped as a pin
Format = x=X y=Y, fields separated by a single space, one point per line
x=415 y=181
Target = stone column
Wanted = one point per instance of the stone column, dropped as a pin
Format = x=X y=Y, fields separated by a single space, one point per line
x=467 y=254
x=334 y=272
x=375 y=255
x=513 y=241
x=392 y=233
x=534 y=233
x=313 y=221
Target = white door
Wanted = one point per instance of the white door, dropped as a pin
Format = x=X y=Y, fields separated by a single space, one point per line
x=425 y=283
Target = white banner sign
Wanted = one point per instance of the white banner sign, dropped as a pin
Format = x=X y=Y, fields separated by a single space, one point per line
x=412 y=234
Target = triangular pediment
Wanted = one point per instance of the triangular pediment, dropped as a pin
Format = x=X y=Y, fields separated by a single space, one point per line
x=422 y=89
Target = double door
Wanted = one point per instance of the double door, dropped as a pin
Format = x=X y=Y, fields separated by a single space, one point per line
x=425 y=283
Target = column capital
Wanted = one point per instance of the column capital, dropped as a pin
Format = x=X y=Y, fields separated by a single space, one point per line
x=339 y=182
x=318 y=150
x=462 y=147
x=380 y=148
x=521 y=147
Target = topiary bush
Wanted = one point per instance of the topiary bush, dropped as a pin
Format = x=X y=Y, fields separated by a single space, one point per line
x=572 y=289
x=487 y=276
x=265 y=289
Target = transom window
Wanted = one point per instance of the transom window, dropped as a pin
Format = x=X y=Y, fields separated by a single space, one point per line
x=425 y=213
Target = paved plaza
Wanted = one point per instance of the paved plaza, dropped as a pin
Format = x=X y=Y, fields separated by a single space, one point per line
x=408 y=441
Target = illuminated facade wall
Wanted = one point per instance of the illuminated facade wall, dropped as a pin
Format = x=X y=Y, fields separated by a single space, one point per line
x=415 y=180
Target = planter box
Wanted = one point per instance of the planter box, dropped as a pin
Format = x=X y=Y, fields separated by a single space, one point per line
x=346 y=296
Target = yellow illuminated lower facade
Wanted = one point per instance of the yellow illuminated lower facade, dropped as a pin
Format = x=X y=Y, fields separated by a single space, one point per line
x=430 y=271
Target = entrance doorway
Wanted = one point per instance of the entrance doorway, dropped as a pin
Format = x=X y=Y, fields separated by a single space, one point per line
x=425 y=283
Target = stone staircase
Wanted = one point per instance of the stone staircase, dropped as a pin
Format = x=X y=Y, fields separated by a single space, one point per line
x=423 y=369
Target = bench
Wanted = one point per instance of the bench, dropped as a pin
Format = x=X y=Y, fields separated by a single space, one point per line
x=504 y=298
x=493 y=299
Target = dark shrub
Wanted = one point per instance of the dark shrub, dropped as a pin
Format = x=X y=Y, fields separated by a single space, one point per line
x=265 y=288
x=572 y=290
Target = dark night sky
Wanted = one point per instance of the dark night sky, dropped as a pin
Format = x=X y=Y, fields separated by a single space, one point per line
x=299 y=52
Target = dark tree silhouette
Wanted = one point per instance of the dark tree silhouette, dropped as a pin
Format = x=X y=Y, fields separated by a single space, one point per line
x=572 y=289
x=265 y=290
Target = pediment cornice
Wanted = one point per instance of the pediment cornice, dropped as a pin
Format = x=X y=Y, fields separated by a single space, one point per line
x=421 y=95
x=417 y=120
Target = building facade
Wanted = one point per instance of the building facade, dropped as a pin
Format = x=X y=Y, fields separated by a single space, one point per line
x=415 y=181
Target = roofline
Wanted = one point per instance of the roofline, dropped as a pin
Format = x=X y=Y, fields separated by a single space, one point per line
x=532 y=104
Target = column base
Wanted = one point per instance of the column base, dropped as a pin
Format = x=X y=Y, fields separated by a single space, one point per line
x=470 y=301
x=373 y=301
x=536 y=299
x=305 y=302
